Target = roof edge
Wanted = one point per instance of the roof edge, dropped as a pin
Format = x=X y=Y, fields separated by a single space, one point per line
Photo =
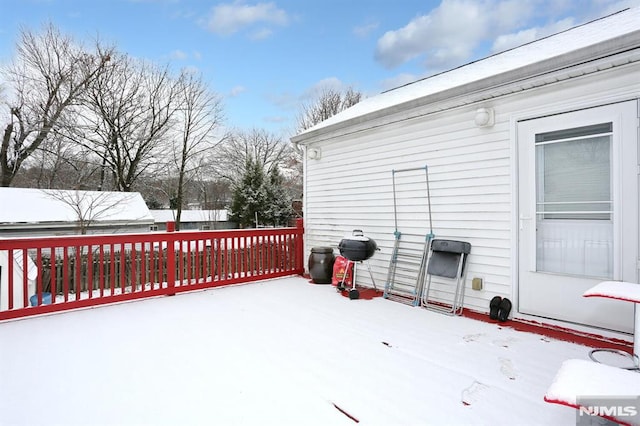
x=607 y=48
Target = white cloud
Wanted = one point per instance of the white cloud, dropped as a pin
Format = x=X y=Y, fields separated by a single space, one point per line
x=328 y=83
x=277 y=119
x=287 y=101
x=229 y=18
x=615 y=6
x=510 y=14
x=449 y=34
x=237 y=90
x=179 y=55
x=457 y=31
x=397 y=81
x=508 y=41
x=182 y=56
x=261 y=34
x=291 y=101
x=191 y=69
x=363 y=31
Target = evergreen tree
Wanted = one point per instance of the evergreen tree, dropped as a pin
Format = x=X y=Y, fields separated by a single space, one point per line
x=262 y=195
x=279 y=209
x=250 y=196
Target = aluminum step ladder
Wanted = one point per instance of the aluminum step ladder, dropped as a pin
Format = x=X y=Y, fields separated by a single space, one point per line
x=407 y=265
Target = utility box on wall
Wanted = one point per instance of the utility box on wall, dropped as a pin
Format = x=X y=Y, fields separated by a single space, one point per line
x=476 y=283
x=18 y=280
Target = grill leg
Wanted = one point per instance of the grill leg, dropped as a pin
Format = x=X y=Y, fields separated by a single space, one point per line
x=373 y=281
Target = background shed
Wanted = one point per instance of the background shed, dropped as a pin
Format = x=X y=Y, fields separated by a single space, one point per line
x=43 y=212
x=193 y=219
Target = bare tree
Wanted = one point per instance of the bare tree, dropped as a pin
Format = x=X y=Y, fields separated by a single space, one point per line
x=58 y=163
x=259 y=145
x=293 y=175
x=216 y=195
x=129 y=112
x=199 y=119
x=89 y=206
x=327 y=104
x=47 y=77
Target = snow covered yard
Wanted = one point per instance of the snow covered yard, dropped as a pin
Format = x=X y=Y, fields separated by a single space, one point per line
x=275 y=352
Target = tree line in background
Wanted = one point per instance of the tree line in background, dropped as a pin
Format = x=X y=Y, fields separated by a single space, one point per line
x=74 y=117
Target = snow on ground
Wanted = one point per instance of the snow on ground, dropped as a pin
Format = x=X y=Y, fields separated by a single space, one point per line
x=275 y=352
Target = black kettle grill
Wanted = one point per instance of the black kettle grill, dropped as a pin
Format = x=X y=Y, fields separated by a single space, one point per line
x=356 y=248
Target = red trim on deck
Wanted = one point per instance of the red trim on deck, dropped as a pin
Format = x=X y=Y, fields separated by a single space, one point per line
x=556 y=332
x=366 y=293
x=552 y=331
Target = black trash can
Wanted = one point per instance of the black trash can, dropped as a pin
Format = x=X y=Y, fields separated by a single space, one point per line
x=321 y=264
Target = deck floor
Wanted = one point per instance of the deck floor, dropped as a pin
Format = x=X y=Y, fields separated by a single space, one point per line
x=275 y=352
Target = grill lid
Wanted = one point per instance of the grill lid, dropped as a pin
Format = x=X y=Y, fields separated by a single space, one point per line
x=357 y=247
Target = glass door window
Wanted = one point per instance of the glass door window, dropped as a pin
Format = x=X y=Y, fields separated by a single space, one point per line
x=574 y=207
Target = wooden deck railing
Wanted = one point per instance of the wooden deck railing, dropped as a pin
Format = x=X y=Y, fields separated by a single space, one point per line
x=48 y=274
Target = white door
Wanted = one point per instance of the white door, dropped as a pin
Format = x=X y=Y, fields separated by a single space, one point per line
x=578 y=211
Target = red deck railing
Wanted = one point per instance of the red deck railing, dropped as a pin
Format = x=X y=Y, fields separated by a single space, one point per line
x=48 y=274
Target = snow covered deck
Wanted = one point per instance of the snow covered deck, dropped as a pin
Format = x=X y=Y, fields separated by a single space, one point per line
x=282 y=351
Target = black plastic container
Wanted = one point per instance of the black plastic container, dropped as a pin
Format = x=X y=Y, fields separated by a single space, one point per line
x=321 y=264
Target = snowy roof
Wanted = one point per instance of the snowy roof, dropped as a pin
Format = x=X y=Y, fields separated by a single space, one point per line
x=30 y=205
x=573 y=39
x=190 y=215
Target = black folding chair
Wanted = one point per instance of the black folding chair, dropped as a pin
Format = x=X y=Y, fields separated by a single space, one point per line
x=447 y=259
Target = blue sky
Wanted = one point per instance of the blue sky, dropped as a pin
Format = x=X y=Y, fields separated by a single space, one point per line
x=266 y=58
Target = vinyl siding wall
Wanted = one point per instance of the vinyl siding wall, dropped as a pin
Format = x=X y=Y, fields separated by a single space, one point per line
x=471 y=172
x=350 y=187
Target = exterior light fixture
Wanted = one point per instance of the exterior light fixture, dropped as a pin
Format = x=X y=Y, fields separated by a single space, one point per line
x=484 y=117
x=314 y=153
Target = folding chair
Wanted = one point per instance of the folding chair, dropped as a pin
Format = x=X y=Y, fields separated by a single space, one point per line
x=447 y=259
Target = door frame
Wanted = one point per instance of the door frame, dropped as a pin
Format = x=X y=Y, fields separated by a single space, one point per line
x=634 y=246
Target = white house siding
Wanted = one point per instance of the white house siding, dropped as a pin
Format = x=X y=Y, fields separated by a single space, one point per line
x=472 y=174
x=350 y=187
